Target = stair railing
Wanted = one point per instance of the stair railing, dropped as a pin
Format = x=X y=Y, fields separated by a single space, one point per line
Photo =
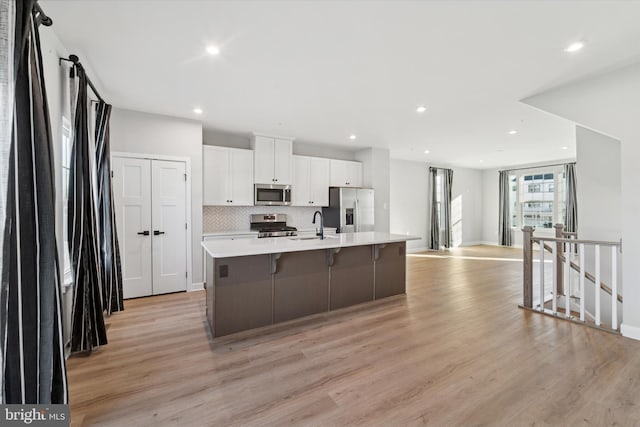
x=565 y=244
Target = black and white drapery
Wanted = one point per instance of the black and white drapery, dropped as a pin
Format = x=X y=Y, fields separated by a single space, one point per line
x=434 y=220
x=87 y=319
x=571 y=211
x=440 y=196
x=504 y=224
x=108 y=238
x=32 y=356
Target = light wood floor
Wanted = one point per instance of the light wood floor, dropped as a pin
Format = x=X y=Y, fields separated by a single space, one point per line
x=455 y=351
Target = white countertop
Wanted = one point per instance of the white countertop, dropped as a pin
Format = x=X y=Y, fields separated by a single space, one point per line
x=223 y=248
x=255 y=233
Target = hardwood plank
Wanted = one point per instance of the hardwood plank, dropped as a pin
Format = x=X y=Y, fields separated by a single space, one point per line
x=455 y=350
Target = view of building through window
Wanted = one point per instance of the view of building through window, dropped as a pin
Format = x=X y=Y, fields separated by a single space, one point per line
x=537 y=199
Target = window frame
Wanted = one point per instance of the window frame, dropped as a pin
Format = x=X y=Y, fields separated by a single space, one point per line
x=542 y=170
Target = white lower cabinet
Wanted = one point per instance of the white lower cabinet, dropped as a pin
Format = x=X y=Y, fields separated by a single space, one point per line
x=310 y=181
x=227 y=176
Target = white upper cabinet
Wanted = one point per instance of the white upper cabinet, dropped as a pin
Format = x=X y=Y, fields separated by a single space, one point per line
x=310 y=185
x=227 y=176
x=272 y=160
x=345 y=173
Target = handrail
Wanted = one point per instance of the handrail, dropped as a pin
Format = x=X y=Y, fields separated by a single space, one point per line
x=575 y=241
x=588 y=275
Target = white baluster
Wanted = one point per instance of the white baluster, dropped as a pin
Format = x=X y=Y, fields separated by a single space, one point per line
x=567 y=279
x=554 y=291
x=597 y=285
x=614 y=287
x=582 y=271
x=541 y=275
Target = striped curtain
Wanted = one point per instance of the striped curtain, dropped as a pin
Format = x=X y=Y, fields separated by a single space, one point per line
x=447 y=182
x=504 y=224
x=108 y=238
x=434 y=236
x=571 y=212
x=33 y=364
x=87 y=318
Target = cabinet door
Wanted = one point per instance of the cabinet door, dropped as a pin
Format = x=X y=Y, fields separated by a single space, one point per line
x=338 y=173
x=300 y=185
x=215 y=173
x=319 y=181
x=241 y=162
x=282 y=161
x=263 y=160
x=354 y=174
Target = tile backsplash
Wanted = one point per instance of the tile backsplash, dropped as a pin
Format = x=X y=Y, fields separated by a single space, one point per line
x=236 y=218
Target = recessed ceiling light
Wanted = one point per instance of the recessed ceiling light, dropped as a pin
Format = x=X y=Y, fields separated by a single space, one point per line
x=213 y=50
x=513 y=132
x=565 y=147
x=574 y=47
x=352 y=137
x=481 y=161
x=426 y=151
x=421 y=109
x=197 y=110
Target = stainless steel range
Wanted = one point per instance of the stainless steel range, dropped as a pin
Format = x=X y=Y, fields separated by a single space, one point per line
x=272 y=225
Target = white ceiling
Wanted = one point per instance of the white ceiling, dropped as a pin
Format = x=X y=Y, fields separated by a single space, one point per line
x=320 y=70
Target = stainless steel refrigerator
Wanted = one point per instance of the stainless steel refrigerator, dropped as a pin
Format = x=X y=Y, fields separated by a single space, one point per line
x=350 y=209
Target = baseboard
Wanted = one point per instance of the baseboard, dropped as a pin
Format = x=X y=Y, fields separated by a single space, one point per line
x=415 y=250
x=196 y=287
x=629 y=331
x=480 y=242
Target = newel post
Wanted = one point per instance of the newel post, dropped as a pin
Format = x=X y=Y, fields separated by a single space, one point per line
x=559 y=265
x=527 y=258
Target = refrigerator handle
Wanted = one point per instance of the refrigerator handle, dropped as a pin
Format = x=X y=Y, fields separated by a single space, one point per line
x=357 y=219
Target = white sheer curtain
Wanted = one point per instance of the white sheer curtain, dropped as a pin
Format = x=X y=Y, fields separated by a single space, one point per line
x=7 y=31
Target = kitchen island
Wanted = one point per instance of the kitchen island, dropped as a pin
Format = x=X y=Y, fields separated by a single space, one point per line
x=258 y=282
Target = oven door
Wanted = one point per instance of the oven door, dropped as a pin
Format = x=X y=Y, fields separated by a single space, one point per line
x=272 y=195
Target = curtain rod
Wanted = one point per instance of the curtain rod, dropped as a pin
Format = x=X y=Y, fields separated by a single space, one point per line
x=42 y=17
x=537 y=167
x=76 y=61
x=435 y=167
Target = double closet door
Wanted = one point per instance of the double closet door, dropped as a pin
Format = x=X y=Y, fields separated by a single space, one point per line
x=151 y=220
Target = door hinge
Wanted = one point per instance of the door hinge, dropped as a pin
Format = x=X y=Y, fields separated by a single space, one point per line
x=185 y=225
x=185 y=176
x=111 y=174
x=186 y=274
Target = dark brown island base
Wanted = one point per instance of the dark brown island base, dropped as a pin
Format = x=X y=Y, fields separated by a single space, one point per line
x=262 y=283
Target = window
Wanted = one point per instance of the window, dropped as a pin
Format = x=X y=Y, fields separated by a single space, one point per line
x=537 y=198
x=66 y=168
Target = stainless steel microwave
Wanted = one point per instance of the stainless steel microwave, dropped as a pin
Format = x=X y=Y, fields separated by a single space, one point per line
x=272 y=195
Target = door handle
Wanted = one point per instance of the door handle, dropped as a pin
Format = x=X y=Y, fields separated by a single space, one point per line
x=157 y=232
x=143 y=233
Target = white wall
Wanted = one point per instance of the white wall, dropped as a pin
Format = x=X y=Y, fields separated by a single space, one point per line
x=136 y=132
x=375 y=170
x=410 y=204
x=301 y=148
x=609 y=103
x=490 y=200
x=408 y=201
x=599 y=186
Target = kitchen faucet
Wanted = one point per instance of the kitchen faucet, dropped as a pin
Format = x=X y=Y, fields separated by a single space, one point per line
x=321 y=233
